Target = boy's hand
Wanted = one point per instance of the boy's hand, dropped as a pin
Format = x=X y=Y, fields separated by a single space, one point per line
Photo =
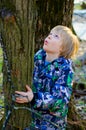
x=24 y=97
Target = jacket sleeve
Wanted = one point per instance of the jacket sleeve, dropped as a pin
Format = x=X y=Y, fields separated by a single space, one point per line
x=60 y=93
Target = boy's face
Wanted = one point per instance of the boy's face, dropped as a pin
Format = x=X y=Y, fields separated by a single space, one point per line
x=52 y=43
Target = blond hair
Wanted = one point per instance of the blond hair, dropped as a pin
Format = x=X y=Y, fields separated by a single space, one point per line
x=70 y=42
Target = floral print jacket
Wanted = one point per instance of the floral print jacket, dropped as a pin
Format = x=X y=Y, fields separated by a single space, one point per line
x=52 y=84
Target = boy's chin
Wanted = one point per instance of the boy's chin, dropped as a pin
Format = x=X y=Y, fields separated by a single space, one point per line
x=45 y=49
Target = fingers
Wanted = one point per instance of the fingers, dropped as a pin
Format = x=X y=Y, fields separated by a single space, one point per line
x=21 y=93
x=19 y=100
x=24 y=99
x=28 y=88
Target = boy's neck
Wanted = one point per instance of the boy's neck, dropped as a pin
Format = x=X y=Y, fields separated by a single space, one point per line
x=50 y=57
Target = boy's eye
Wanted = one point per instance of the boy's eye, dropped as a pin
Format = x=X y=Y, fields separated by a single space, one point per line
x=56 y=36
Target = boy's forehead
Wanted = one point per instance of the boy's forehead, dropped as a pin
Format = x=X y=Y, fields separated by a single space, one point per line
x=54 y=31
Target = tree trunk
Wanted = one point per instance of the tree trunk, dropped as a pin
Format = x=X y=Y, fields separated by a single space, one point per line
x=19 y=32
x=17 y=28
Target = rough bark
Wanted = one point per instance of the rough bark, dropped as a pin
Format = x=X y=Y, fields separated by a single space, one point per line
x=17 y=28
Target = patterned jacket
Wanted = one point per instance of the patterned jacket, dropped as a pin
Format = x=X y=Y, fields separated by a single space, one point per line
x=52 y=84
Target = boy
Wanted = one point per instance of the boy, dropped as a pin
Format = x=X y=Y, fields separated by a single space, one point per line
x=52 y=79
